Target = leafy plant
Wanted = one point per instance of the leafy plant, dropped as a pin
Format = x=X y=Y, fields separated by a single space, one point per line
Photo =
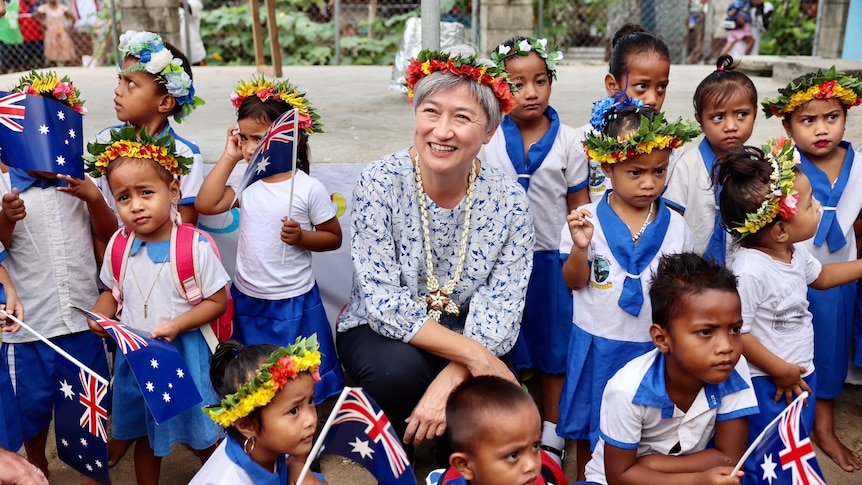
x=789 y=32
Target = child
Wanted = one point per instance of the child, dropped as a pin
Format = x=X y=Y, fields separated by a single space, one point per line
x=148 y=92
x=640 y=68
x=141 y=172
x=545 y=156
x=661 y=411
x=611 y=253
x=267 y=408
x=738 y=25
x=770 y=210
x=49 y=226
x=495 y=428
x=58 y=43
x=814 y=113
x=275 y=296
x=725 y=105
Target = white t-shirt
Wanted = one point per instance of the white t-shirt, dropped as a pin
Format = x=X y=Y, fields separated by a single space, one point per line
x=607 y=278
x=775 y=303
x=266 y=267
x=562 y=171
x=637 y=412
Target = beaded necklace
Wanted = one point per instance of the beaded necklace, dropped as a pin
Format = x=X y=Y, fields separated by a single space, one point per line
x=437 y=298
x=646 y=223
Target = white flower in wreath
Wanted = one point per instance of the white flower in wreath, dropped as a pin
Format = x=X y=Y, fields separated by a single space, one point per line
x=524 y=46
x=159 y=61
x=543 y=43
x=178 y=83
x=503 y=49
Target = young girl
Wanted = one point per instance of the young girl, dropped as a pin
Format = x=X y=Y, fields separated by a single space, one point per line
x=141 y=174
x=59 y=47
x=770 y=209
x=267 y=408
x=544 y=155
x=275 y=296
x=814 y=112
x=640 y=68
x=613 y=246
x=725 y=105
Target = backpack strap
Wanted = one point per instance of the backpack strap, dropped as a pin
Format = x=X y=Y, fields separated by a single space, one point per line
x=119 y=248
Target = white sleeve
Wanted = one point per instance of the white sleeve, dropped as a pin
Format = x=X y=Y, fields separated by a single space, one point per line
x=620 y=422
x=320 y=206
x=212 y=274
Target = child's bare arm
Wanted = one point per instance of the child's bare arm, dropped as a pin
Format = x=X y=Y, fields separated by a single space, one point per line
x=207 y=310
x=623 y=468
x=13 y=304
x=324 y=237
x=294 y=468
x=13 y=211
x=787 y=376
x=102 y=218
x=214 y=196
x=837 y=274
x=576 y=269
x=730 y=440
x=105 y=305
x=577 y=199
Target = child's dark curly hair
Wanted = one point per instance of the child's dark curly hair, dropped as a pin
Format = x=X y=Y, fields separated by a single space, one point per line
x=625 y=121
x=679 y=276
x=631 y=40
x=722 y=84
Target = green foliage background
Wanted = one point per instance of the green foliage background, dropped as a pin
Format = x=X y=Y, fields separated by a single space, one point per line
x=790 y=32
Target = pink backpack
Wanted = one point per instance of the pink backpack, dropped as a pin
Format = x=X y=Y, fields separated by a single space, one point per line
x=185 y=271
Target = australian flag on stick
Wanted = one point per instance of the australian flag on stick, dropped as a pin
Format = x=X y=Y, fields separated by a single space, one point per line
x=81 y=418
x=783 y=452
x=38 y=133
x=158 y=366
x=358 y=429
x=275 y=153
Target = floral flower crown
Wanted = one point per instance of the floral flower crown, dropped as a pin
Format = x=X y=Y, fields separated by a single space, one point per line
x=126 y=143
x=523 y=48
x=47 y=84
x=427 y=62
x=284 y=364
x=781 y=198
x=829 y=85
x=655 y=134
x=283 y=91
x=158 y=60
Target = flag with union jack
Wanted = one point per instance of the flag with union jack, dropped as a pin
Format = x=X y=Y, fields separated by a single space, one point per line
x=38 y=133
x=362 y=432
x=275 y=153
x=159 y=368
x=80 y=419
x=784 y=453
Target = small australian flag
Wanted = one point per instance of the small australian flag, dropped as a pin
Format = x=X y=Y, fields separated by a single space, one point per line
x=38 y=133
x=276 y=151
x=81 y=403
x=159 y=369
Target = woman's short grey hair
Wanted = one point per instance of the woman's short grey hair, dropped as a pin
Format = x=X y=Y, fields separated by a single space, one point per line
x=438 y=82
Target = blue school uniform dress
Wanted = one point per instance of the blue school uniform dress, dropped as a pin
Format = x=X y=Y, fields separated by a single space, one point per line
x=551 y=170
x=10 y=420
x=613 y=312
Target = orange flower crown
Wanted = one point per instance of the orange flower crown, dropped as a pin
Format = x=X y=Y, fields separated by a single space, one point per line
x=428 y=61
x=125 y=143
x=831 y=84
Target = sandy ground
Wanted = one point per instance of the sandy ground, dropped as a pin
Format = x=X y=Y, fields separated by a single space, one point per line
x=364 y=120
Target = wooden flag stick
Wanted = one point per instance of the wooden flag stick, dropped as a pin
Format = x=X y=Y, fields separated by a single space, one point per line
x=319 y=443
x=292 y=179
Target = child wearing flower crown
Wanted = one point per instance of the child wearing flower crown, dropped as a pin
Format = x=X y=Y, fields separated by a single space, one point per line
x=155 y=83
x=276 y=298
x=544 y=156
x=612 y=247
x=813 y=109
x=267 y=407
x=769 y=207
x=725 y=105
x=49 y=227
x=639 y=67
x=141 y=171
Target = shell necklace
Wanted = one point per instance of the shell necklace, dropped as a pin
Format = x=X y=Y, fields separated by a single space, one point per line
x=437 y=298
x=646 y=223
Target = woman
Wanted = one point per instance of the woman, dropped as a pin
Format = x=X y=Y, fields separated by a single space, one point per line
x=442 y=251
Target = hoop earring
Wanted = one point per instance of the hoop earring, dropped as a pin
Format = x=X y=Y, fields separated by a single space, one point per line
x=245 y=446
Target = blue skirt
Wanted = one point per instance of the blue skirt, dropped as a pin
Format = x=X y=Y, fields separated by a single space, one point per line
x=592 y=362
x=279 y=322
x=10 y=420
x=132 y=419
x=547 y=323
x=832 y=312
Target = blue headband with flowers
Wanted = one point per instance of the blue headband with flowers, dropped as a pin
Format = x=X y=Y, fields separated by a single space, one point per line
x=159 y=61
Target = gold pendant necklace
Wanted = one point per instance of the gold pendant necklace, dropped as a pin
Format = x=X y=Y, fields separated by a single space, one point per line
x=153 y=286
x=437 y=298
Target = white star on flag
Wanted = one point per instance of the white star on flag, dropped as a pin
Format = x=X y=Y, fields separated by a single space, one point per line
x=166 y=397
x=262 y=164
x=154 y=363
x=66 y=389
x=64 y=442
x=180 y=373
x=66 y=141
x=61 y=115
x=150 y=386
x=84 y=441
x=361 y=447
x=72 y=134
x=89 y=467
x=61 y=160
x=43 y=129
x=99 y=463
x=769 y=469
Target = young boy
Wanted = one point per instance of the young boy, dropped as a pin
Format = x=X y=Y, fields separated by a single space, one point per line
x=661 y=410
x=495 y=431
